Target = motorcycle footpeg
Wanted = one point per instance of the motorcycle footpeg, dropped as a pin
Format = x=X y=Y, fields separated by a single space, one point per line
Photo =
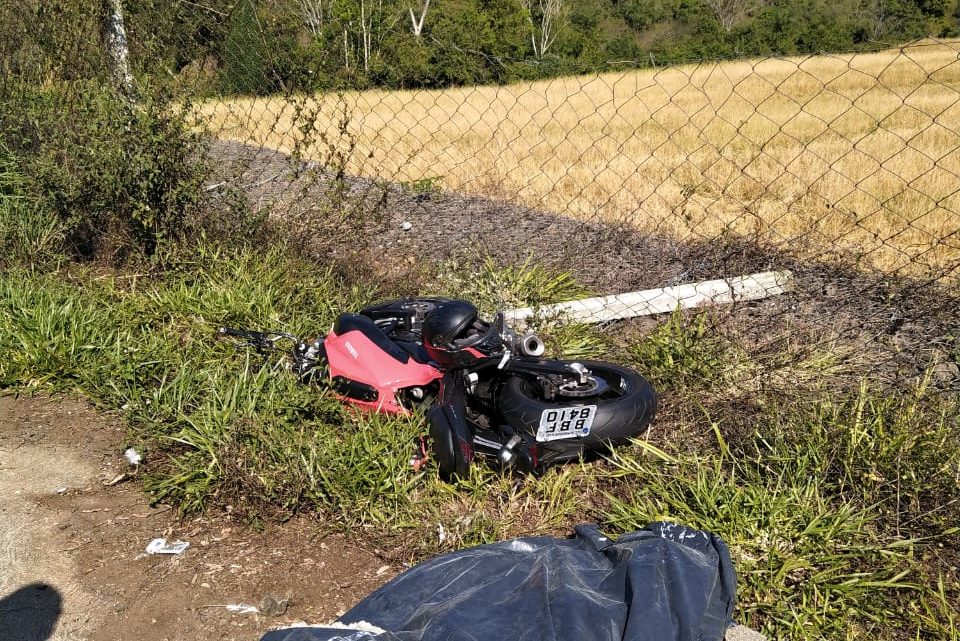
x=516 y=453
x=507 y=454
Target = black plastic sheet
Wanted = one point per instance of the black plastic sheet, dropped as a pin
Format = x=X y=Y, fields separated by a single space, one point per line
x=662 y=583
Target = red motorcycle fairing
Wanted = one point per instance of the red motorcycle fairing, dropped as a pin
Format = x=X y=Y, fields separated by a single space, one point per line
x=366 y=374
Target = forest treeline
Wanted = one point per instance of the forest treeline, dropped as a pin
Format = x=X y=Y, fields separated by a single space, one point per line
x=266 y=46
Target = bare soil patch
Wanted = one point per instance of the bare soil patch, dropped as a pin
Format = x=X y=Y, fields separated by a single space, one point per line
x=72 y=561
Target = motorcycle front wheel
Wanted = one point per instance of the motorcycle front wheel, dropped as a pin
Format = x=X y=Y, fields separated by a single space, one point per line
x=625 y=404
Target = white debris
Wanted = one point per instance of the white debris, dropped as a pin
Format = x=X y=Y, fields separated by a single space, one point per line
x=133 y=456
x=61 y=490
x=161 y=546
x=441 y=533
x=242 y=608
x=663 y=300
x=359 y=626
x=116 y=479
x=520 y=546
x=406 y=226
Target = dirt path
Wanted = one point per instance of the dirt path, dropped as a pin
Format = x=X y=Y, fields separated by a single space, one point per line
x=72 y=562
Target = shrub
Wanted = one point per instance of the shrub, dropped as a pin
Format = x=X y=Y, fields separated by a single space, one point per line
x=121 y=180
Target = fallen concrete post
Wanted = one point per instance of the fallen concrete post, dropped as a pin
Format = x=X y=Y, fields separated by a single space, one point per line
x=662 y=300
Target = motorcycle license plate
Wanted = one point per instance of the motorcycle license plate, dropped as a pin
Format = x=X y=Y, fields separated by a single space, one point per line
x=566 y=422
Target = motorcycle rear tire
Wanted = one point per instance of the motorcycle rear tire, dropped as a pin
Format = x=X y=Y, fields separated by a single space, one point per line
x=618 y=418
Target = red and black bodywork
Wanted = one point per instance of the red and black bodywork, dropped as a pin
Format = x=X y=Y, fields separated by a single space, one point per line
x=373 y=372
x=486 y=391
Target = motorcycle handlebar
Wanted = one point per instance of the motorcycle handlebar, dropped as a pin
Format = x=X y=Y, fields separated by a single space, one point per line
x=240 y=333
x=260 y=340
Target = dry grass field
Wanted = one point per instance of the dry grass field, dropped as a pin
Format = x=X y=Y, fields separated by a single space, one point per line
x=844 y=155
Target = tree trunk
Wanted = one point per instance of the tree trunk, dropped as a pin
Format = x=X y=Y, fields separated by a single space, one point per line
x=115 y=42
x=416 y=24
x=365 y=35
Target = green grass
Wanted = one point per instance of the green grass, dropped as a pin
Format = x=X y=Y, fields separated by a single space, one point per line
x=225 y=427
x=28 y=236
x=684 y=351
x=493 y=286
x=841 y=510
x=840 y=514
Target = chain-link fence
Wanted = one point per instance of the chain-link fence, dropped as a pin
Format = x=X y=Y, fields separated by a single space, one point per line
x=841 y=169
x=849 y=158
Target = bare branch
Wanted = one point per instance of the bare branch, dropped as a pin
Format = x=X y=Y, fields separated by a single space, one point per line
x=312 y=12
x=544 y=23
x=730 y=13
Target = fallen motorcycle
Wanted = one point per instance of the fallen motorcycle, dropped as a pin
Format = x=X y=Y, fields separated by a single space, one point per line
x=487 y=391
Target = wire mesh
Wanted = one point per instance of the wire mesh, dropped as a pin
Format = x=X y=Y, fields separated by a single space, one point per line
x=841 y=169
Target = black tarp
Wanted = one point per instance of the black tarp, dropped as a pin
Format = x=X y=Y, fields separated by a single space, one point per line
x=665 y=582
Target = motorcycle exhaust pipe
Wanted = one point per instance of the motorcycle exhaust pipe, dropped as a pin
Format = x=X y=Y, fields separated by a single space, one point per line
x=531 y=345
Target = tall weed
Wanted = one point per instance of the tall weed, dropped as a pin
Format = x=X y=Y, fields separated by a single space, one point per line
x=684 y=352
x=29 y=236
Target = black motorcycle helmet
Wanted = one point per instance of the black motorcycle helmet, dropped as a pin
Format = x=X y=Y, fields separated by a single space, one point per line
x=454 y=336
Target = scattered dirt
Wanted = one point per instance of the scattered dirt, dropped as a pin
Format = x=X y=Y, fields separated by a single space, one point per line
x=72 y=560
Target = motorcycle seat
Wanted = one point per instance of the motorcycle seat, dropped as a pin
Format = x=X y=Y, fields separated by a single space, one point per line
x=357 y=323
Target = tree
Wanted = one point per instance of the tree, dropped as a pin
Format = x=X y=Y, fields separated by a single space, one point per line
x=243 y=53
x=546 y=17
x=896 y=18
x=730 y=13
x=312 y=12
x=416 y=24
x=361 y=27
